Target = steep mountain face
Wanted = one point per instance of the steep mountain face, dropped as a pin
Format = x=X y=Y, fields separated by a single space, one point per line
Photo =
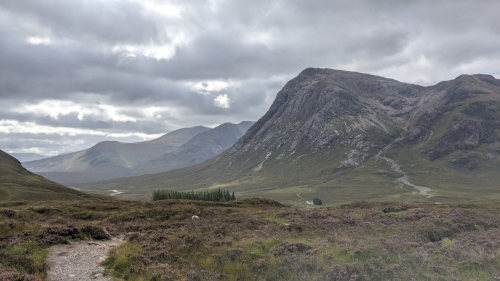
x=345 y=136
x=467 y=107
x=198 y=149
x=324 y=108
x=17 y=183
x=111 y=159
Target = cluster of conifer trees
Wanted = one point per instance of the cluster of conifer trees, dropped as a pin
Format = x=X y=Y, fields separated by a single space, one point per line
x=216 y=195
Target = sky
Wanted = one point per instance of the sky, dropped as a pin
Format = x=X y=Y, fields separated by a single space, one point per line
x=76 y=72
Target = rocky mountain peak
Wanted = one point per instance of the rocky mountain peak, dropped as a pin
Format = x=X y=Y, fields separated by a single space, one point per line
x=333 y=133
x=322 y=107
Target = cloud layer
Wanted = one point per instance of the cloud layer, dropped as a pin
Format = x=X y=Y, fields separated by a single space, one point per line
x=73 y=73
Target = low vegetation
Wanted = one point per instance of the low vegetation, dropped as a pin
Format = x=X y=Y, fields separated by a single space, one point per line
x=255 y=239
x=218 y=195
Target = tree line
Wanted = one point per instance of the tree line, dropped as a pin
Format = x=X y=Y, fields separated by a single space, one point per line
x=218 y=195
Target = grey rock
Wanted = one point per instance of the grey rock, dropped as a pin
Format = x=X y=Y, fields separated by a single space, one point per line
x=354 y=159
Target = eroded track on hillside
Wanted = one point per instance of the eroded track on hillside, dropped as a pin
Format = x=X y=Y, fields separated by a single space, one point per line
x=423 y=190
x=80 y=260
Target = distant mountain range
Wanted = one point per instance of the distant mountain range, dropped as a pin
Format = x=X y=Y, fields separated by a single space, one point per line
x=25 y=157
x=17 y=183
x=112 y=159
x=344 y=136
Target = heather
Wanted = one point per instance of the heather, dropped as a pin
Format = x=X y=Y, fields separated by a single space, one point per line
x=256 y=239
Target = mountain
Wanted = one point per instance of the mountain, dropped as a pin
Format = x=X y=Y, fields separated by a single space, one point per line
x=108 y=160
x=17 y=183
x=198 y=149
x=344 y=136
x=26 y=157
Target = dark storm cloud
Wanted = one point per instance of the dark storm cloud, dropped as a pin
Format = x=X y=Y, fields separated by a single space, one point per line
x=84 y=71
x=108 y=21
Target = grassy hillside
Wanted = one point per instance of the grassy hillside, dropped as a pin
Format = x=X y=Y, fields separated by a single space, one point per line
x=17 y=183
x=257 y=239
x=319 y=176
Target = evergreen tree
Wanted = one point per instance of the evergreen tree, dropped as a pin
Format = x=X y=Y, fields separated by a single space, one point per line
x=215 y=195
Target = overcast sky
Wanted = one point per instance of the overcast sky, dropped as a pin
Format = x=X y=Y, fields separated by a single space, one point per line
x=75 y=72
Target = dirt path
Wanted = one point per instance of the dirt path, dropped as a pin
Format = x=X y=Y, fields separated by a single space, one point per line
x=300 y=197
x=80 y=260
x=404 y=179
x=397 y=168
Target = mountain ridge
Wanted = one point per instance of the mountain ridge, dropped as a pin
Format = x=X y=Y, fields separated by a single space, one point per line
x=112 y=159
x=327 y=131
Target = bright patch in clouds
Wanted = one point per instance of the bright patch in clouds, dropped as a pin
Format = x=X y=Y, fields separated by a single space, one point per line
x=157 y=52
x=164 y=9
x=222 y=101
x=206 y=87
x=14 y=126
x=57 y=108
x=35 y=40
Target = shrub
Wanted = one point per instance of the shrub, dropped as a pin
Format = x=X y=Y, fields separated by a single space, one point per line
x=317 y=201
x=14 y=276
x=96 y=232
x=8 y=213
x=447 y=243
x=347 y=220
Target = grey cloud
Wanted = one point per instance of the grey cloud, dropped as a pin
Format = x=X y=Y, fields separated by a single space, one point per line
x=109 y=21
x=50 y=144
x=255 y=46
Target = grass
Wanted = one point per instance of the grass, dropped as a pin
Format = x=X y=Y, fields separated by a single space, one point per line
x=121 y=262
x=318 y=176
x=17 y=183
x=256 y=239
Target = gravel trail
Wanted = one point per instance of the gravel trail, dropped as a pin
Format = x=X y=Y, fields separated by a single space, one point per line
x=397 y=168
x=80 y=260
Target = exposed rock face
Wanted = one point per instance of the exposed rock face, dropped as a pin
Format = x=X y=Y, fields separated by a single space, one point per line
x=468 y=160
x=324 y=107
x=354 y=158
x=471 y=101
x=463 y=135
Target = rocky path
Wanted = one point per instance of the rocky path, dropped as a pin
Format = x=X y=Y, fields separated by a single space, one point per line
x=80 y=260
x=404 y=179
x=397 y=168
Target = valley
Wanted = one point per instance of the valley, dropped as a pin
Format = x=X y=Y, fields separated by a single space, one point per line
x=407 y=176
x=229 y=140
x=343 y=136
x=108 y=160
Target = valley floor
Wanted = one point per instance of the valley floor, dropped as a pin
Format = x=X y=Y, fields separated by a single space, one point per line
x=256 y=239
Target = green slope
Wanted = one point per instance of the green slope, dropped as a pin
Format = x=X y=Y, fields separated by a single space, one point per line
x=17 y=183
